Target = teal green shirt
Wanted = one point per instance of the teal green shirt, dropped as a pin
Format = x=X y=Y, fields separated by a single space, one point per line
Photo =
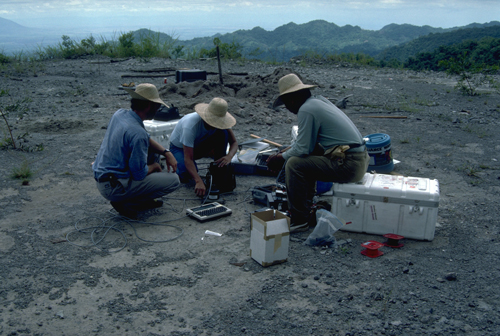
x=320 y=121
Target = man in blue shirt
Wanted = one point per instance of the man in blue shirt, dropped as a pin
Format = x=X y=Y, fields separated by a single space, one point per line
x=205 y=133
x=127 y=168
x=328 y=148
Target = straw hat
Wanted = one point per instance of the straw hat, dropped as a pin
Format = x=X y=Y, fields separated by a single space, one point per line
x=146 y=91
x=288 y=84
x=215 y=114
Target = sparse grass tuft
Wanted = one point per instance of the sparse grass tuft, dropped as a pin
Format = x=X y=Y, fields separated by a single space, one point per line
x=344 y=250
x=469 y=170
x=23 y=172
x=481 y=133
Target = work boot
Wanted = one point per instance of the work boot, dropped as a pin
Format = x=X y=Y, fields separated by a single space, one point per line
x=149 y=204
x=124 y=209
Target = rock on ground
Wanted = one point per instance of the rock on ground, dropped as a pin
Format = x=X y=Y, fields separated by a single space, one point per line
x=58 y=277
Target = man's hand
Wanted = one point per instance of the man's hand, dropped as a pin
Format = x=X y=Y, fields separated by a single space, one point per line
x=200 y=188
x=171 y=162
x=275 y=163
x=224 y=161
x=155 y=167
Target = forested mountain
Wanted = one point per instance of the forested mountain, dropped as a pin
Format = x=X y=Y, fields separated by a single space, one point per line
x=433 y=41
x=319 y=36
x=322 y=37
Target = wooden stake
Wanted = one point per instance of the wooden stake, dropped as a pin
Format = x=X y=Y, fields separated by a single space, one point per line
x=220 y=69
x=265 y=140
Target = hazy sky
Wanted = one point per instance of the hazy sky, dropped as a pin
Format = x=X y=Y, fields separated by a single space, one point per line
x=190 y=18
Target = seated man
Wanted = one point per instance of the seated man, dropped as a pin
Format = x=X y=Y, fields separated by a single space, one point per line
x=205 y=133
x=328 y=148
x=127 y=168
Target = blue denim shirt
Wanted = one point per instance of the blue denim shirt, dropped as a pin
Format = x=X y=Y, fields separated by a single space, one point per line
x=124 y=150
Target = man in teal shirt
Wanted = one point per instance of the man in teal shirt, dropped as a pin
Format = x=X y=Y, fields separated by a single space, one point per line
x=328 y=148
x=126 y=168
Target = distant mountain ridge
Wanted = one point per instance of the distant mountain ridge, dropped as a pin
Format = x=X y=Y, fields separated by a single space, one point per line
x=324 y=37
x=320 y=36
x=9 y=27
x=392 y=41
x=15 y=37
x=431 y=42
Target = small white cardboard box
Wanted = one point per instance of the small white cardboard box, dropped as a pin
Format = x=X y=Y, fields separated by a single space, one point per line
x=269 y=237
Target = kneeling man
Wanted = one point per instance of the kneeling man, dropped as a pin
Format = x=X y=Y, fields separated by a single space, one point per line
x=206 y=133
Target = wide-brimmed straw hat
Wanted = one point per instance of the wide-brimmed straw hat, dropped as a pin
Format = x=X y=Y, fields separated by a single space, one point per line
x=288 y=84
x=215 y=114
x=146 y=91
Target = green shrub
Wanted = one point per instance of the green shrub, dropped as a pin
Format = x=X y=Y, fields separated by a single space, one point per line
x=126 y=45
x=470 y=73
x=226 y=50
x=4 y=59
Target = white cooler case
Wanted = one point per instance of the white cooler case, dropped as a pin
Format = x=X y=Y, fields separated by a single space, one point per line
x=160 y=130
x=382 y=204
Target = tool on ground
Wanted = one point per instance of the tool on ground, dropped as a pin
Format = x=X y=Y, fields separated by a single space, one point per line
x=393 y=240
x=371 y=249
x=265 y=140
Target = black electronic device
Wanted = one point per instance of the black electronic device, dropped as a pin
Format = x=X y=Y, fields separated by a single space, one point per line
x=190 y=75
x=272 y=195
x=220 y=179
x=208 y=211
x=258 y=167
x=167 y=113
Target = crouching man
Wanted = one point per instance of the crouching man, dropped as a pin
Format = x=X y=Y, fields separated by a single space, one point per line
x=127 y=169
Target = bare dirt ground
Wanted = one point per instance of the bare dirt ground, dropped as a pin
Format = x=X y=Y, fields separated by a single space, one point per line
x=194 y=284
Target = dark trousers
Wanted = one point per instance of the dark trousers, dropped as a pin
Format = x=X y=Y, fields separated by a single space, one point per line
x=135 y=192
x=301 y=174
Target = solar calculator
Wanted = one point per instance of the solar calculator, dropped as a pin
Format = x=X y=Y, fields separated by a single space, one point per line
x=208 y=211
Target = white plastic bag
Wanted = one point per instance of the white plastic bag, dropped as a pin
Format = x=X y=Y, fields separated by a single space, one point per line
x=327 y=225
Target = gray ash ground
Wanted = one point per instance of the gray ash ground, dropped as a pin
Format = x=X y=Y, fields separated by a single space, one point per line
x=211 y=286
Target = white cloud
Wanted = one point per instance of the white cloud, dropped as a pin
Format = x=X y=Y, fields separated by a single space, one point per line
x=205 y=15
x=207 y=5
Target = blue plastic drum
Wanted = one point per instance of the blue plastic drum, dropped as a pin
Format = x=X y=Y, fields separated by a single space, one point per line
x=323 y=187
x=378 y=146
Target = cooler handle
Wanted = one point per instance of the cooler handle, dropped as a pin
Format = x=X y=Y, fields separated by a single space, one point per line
x=416 y=208
x=352 y=201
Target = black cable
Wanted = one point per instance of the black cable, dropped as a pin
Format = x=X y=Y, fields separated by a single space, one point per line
x=94 y=230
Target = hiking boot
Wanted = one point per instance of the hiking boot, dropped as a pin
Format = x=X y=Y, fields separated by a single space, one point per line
x=299 y=227
x=124 y=209
x=323 y=205
x=149 y=204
